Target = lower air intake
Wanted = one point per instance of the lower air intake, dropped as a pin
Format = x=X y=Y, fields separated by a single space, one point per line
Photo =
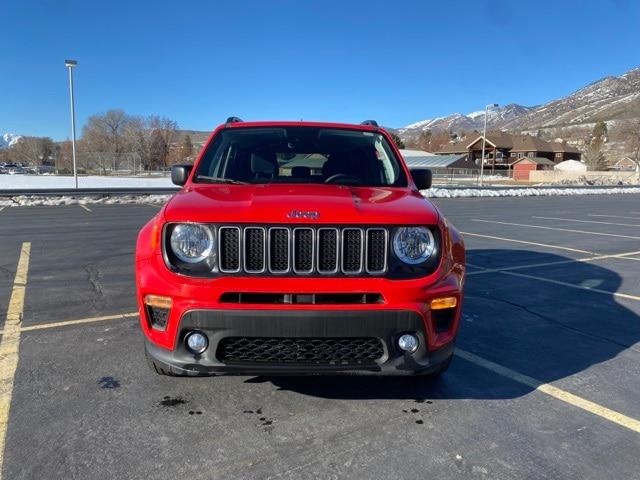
x=311 y=351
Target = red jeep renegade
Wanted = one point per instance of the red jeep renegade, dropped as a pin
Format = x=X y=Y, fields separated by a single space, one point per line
x=299 y=248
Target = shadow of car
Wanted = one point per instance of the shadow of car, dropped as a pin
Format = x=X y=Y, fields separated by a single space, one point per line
x=539 y=329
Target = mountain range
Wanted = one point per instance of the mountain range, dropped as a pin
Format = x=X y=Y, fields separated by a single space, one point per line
x=610 y=98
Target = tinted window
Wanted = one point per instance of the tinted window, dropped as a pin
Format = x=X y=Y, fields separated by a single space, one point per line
x=301 y=155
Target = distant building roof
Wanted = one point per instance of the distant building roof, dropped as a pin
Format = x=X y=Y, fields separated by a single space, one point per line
x=435 y=161
x=415 y=153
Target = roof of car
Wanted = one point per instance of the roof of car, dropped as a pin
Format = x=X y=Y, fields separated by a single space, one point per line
x=301 y=123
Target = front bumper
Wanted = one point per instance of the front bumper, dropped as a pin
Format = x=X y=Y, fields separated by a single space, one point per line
x=384 y=325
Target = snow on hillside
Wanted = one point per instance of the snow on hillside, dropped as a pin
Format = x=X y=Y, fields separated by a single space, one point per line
x=8 y=140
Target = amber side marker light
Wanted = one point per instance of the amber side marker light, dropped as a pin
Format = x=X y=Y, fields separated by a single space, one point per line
x=158 y=309
x=158 y=301
x=444 y=302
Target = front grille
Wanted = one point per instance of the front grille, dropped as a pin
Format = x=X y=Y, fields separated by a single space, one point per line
x=303 y=250
x=314 y=350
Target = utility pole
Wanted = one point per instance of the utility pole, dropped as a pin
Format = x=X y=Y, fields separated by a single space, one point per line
x=71 y=64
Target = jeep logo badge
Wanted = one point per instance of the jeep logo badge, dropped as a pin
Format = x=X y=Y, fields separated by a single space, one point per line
x=306 y=214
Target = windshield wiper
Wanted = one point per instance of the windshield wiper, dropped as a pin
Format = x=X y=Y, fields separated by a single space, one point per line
x=220 y=180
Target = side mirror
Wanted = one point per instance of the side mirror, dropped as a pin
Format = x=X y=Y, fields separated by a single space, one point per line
x=180 y=173
x=422 y=178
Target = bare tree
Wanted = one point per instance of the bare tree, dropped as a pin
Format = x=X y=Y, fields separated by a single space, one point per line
x=32 y=151
x=630 y=130
x=164 y=132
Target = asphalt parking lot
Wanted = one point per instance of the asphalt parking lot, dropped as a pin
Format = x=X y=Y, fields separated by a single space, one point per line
x=546 y=383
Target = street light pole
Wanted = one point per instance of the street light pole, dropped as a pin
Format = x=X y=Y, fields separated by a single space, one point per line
x=70 y=64
x=484 y=139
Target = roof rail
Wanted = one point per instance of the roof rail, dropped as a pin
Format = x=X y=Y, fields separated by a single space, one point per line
x=233 y=120
x=372 y=123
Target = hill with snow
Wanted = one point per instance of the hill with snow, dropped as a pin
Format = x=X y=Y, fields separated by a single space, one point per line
x=610 y=98
x=9 y=139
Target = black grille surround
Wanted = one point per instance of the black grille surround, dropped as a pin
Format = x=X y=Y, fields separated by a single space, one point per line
x=303 y=250
x=301 y=350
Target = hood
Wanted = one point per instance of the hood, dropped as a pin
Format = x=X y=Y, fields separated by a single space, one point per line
x=314 y=204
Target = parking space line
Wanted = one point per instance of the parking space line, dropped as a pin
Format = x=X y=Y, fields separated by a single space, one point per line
x=85 y=207
x=573 y=285
x=552 y=391
x=65 y=323
x=557 y=229
x=10 y=343
x=591 y=221
x=546 y=245
x=622 y=256
x=613 y=216
x=1 y=208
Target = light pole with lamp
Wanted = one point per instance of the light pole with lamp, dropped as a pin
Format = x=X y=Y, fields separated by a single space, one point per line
x=484 y=139
x=70 y=64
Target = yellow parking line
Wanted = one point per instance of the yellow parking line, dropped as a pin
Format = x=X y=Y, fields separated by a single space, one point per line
x=546 y=245
x=622 y=256
x=555 y=392
x=85 y=207
x=587 y=232
x=10 y=343
x=80 y=321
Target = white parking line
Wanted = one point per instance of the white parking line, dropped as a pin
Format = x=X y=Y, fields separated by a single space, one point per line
x=572 y=285
x=1 y=208
x=546 y=245
x=10 y=343
x=613 y=216
x=552 y=391
x=85 y=207
x=586 y=232
x=590 y=221
x=623 y=256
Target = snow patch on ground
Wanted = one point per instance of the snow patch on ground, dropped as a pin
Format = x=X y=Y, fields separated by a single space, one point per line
x=38 y=200
x=524 y=192
x=32 y=182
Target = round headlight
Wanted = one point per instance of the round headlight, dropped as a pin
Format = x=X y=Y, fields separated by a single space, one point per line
x=191 y=243
x=413 y=245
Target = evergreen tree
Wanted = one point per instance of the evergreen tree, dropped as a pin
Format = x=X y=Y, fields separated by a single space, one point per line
x=397 y=140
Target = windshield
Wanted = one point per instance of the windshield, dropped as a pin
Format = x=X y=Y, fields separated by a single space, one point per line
x=300 y=155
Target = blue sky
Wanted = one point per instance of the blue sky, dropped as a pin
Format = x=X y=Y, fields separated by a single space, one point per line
x=398 y=62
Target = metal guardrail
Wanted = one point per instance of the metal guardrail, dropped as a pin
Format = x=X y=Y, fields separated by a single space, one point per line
x=52 y=192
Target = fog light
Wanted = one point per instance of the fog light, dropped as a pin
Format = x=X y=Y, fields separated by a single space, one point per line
x=408 y=343
x=197 y=342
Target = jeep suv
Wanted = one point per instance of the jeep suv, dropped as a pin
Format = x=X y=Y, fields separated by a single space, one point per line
x=299 y=248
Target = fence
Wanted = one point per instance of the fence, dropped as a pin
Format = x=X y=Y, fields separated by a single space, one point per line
x=104 y=163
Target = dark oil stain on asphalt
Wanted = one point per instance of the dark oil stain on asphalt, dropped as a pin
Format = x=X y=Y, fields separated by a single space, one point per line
x=168 y=401
x=267 y=423
x=109 y=383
